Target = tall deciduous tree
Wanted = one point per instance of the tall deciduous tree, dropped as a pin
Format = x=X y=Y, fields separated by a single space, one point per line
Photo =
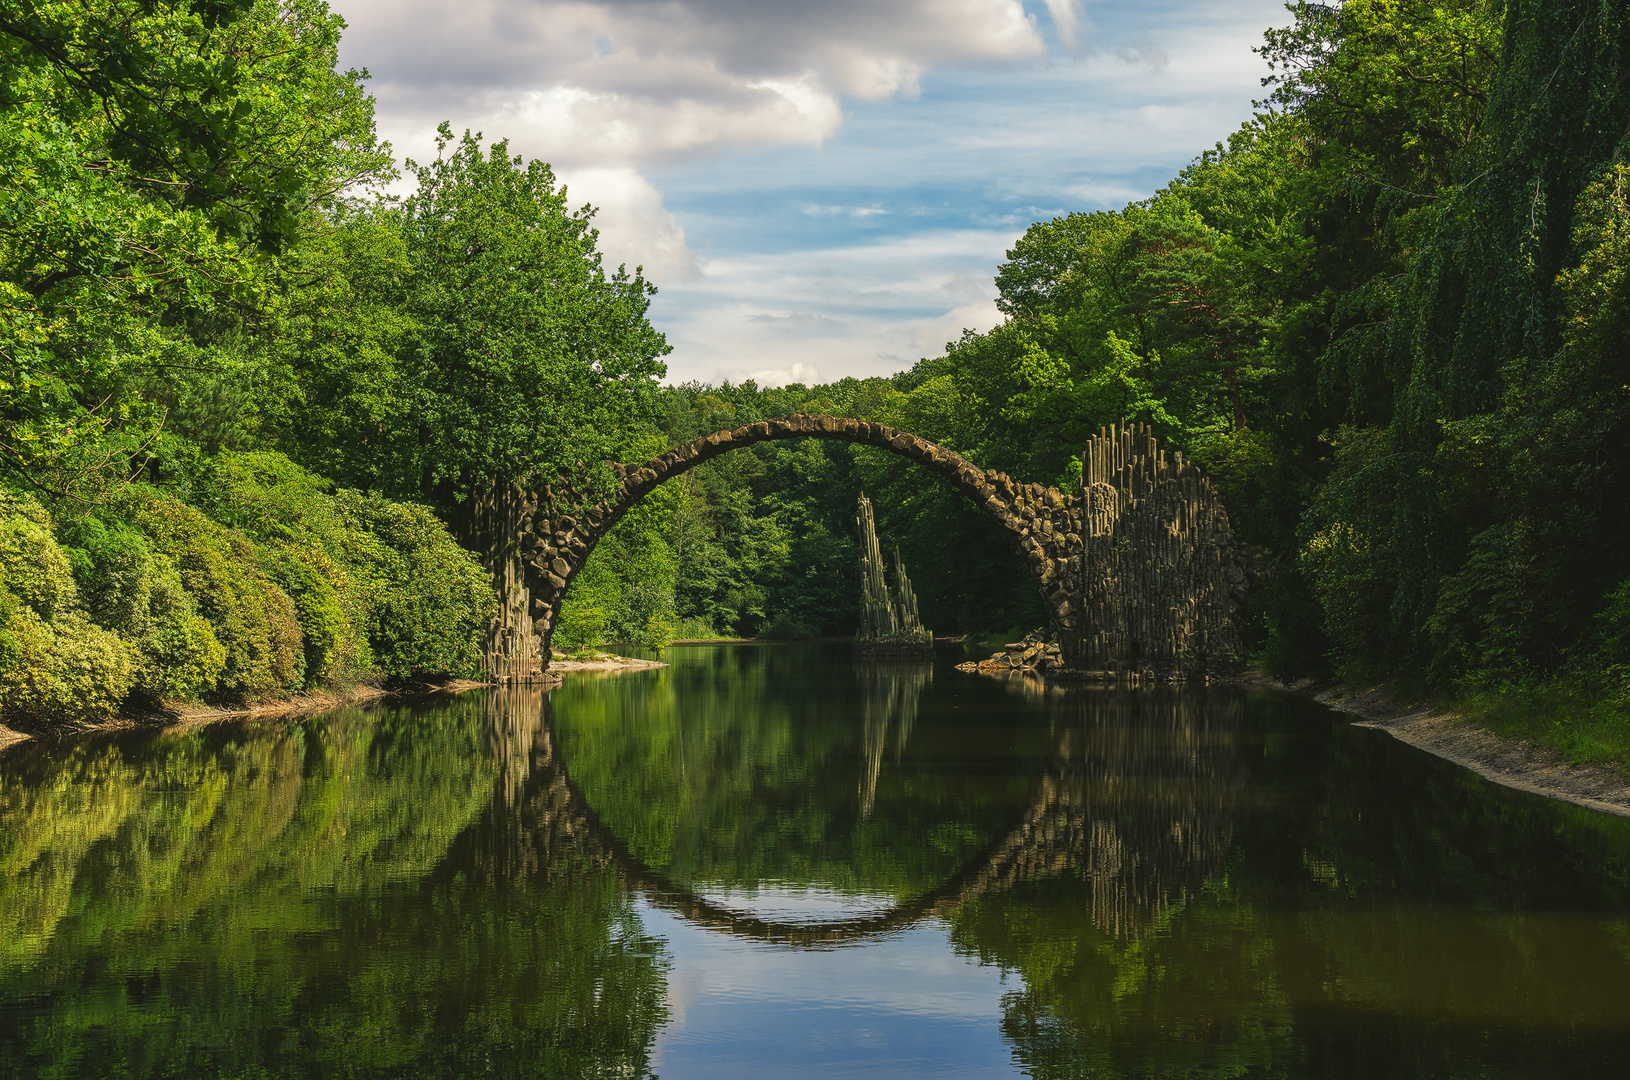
x=504 y=356
x=509 y=353
x=155 y=158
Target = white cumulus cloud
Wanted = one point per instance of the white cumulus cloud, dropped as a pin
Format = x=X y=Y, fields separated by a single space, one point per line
x=820 y=188
x=606 y=90
x=642 y=82
x=635 y=228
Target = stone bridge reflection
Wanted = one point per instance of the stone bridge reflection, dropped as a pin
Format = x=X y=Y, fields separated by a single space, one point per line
x=1137 y=800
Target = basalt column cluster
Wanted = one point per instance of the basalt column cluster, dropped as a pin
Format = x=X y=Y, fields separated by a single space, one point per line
x=532 y=547
x=1160 y=575
x=889 y=625
x=497 y=523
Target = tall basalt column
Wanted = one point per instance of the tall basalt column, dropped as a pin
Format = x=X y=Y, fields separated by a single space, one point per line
x=889 y=625
x=878 y=617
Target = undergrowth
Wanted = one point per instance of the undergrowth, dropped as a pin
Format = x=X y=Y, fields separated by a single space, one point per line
x=1581 y=719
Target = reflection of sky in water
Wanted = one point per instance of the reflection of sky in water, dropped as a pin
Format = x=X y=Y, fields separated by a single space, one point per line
x=795 y=902
x=905 y=1005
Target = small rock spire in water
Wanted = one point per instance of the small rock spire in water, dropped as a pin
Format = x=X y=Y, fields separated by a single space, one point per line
x=888 y=617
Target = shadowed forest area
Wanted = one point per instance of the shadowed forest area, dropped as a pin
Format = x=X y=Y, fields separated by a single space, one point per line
x=246 y=399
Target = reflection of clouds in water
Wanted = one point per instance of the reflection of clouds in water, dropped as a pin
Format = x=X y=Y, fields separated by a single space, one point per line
x=907 y=1004
x=792 y=902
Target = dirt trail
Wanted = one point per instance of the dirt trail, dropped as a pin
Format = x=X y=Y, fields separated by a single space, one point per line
x=1512 y=762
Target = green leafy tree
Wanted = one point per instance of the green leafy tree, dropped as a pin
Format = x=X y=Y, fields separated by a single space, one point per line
x=512 y=352
x=154 y=160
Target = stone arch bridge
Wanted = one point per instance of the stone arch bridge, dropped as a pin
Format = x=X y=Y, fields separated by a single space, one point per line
x=1136 y=566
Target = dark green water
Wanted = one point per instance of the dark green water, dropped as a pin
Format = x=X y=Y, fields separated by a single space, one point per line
x=767 y=860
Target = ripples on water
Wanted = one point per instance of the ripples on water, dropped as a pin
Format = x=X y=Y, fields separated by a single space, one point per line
x=773 y=861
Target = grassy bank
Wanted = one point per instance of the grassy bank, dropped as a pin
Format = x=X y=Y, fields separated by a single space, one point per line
x=1578 y=717
x=1585 y=721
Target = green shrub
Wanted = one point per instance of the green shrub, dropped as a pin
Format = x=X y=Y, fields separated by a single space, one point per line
x=267 y=497
x=138 y=594
x=785 y=625
x=55 y=664
x=375 y=583
x=33 y=568
x=297 y=588
x=10 y=650
x=182 y=659
x=429 y=599
x=253 y=619
x=66 y=669
x=695 y=628
x=583 y=625
x=114 y=568
x=306 y=546
x=310 y=578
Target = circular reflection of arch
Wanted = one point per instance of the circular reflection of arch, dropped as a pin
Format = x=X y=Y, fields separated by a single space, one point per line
x=1138 y=796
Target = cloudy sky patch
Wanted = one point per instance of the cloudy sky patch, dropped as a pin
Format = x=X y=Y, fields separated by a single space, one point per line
x=820 y=189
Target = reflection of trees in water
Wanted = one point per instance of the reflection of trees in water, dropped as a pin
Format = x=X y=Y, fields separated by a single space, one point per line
x=532 y=820
x=890 y=690
x=724 y=788
x=537 y=827
x=196 y=897
x=1336 y=943
x=1137 y=799
x=350 y=802
x=1136 y=814
x=1147 y=785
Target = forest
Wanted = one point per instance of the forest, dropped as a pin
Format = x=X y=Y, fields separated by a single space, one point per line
x=246 y=398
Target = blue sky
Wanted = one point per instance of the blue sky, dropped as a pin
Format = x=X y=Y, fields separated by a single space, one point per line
x=821 y=189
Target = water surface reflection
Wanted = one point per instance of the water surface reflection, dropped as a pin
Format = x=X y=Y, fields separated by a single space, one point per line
x=765 y=860
x=367 y=893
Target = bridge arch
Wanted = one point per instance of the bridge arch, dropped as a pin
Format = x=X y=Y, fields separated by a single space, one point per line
x=1133 y=567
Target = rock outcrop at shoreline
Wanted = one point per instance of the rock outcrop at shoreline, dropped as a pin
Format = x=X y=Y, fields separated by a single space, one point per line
x=1031 y=653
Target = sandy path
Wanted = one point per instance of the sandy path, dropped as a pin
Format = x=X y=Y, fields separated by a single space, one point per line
x=1512 y=762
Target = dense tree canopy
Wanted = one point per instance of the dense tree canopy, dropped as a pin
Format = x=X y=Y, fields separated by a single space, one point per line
x=154 y=160
x=1386 y=316
x=467 y=332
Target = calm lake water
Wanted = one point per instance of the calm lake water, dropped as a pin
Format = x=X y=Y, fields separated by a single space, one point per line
x=774 y=861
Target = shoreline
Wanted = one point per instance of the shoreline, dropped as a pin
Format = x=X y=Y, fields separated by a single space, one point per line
x=184 y=715
x=602 y=662
x=1444 y=733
